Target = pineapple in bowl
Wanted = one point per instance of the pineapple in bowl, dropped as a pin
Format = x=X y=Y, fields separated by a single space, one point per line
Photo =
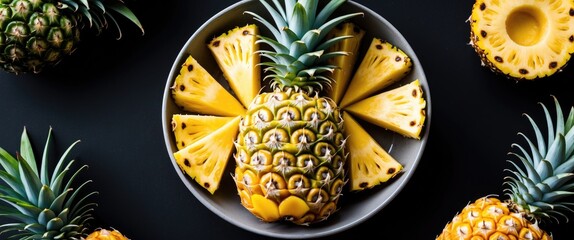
x=278 y=150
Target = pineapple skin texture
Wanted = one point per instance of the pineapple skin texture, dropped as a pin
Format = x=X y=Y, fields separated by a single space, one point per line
x=290 y=158
x=490 y=218
x=104 y=234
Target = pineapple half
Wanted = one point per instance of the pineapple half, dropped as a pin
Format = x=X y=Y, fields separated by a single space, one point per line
x=105 y=234
x=537 y=188
x=523 y=40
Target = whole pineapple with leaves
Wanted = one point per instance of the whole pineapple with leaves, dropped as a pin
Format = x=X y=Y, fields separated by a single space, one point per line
x=536 y=191
x=523 y=39
x=35 y=34
x=290 y=151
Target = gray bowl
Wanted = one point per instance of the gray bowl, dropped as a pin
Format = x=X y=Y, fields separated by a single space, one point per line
x=354 y=207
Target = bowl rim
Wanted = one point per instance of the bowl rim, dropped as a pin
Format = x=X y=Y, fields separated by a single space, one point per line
x=404 y=179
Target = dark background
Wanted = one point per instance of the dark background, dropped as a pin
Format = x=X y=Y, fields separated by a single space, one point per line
x=108 y=95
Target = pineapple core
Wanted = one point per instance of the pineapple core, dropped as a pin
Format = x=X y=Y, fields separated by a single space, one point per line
x=526 y=26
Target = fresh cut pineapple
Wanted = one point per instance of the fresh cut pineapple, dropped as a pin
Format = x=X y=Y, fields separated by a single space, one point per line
x=234 y=52
x=369 y=163
x=195 y=90
x=382 y=65
x=401 y=110
x=527 y=39
x=205 y=159
x=188 y=128
x=537 y=189
x=345 y=63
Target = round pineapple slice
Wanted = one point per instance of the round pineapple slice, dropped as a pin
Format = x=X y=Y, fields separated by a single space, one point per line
x=529 y=39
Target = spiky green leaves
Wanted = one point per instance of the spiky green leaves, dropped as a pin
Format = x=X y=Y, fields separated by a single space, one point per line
x=299 y=52
x=545 y=177
x=42 y=205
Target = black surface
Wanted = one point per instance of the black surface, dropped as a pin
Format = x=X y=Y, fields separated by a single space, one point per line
x=109 y=96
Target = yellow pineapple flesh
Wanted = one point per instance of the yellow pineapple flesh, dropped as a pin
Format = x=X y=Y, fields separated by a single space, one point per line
x=235 y=54
x=205 y=160
x=369 y=164
x=345 y=63
x=188 y=128
x=195 y=90
x=401 y=110
x=382 y=65
x=523 y=40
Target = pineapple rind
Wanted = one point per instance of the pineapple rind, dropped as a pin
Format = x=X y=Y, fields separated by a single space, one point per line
x=345 y=63
x=235 y=53
x=498 y=51
x=291 y=145
x=188 y=128
x=195 y=90
x=401 y=110
x=382 y=65
x=205 y=160
x=369 y=164
x=490 y=218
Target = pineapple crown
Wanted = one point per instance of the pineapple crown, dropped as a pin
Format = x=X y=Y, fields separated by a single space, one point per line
x=97 y=14
x=299 y=52
x=42 y=206
x=540 y=185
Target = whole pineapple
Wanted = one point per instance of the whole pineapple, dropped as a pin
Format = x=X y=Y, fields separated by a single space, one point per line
x=290 y=151
x=42 y=203
x=537 y=188
x=35 y=34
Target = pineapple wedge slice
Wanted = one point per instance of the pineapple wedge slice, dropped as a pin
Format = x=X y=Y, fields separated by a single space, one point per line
x=401 y=110
x=195 y=90
x=383 y=65
x=188 y=128
x=346 y=63
x=235 y=53
x=370 y=165
x=205 y=160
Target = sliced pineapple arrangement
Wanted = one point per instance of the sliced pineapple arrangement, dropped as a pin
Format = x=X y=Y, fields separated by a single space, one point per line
x=527 y=39
x=294 y=147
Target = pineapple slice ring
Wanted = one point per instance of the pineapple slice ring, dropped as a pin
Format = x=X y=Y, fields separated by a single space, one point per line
x=528 y=39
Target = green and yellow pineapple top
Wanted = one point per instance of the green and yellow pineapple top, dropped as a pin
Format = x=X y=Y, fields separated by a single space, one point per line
x=538 y=187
